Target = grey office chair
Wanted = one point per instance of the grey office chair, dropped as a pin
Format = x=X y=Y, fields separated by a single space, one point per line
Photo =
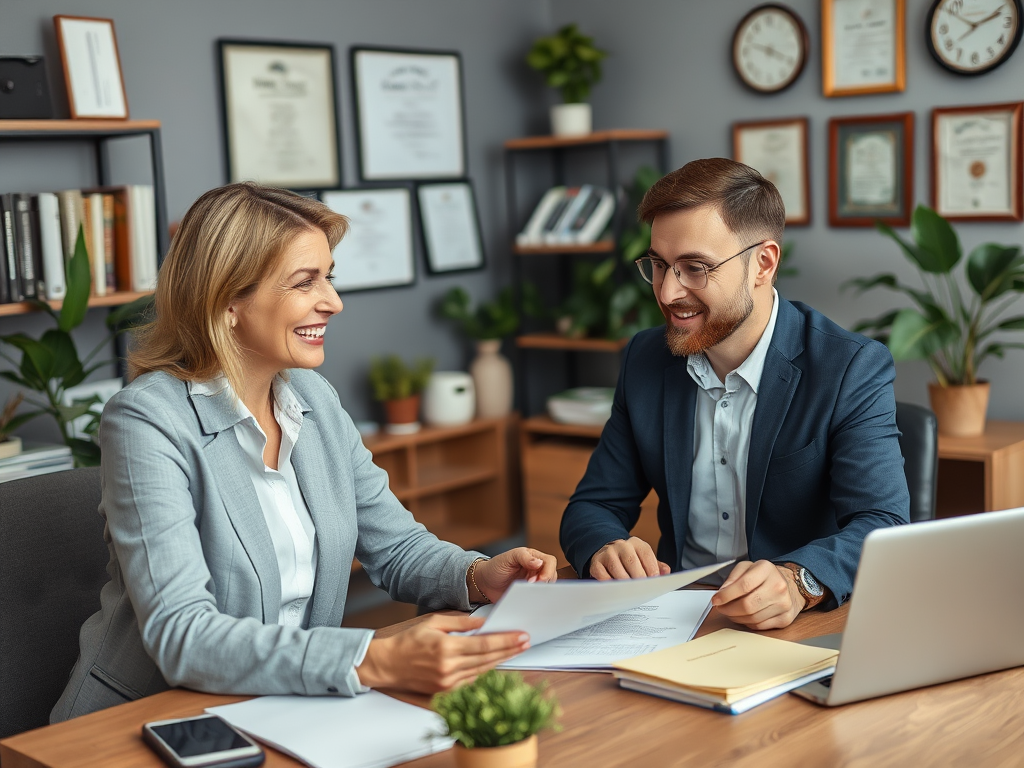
x=52 y=565
x=919 y=444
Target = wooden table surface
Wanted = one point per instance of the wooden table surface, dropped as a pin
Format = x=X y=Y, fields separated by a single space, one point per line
x=975 y=722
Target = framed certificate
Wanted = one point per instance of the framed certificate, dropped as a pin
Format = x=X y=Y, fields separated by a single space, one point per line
x=377 y=251
x=409 y=114
x=863 y=46
x=280 y=120
x=92 y=67
x=778 y=150
x=451 y=228
x=871 y=170
x=976 y=162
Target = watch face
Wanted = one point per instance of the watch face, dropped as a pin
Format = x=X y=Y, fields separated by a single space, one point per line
x=971 y=37
x=810 y=583
x=769 y=48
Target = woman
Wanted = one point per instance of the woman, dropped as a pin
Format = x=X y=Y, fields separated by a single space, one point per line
x=236 y=490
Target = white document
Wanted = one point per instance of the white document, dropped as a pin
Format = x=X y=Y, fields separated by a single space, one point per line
x=546 y=611
x=370 y=730
x=665 y=621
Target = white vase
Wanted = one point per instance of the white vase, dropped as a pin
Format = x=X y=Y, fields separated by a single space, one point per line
x=571 y=119
x=449 y=399
x=492 y=376
x=10 y=447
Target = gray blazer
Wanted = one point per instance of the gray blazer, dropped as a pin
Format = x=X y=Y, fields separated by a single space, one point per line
x=195 y=591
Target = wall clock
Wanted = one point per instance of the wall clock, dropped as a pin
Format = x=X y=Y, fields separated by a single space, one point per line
x=972 y=37
x=769 y=48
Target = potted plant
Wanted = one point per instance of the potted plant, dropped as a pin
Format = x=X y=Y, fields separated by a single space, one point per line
x=50 y=364
x=570 y=62
x=487 y=325
x=398 y=387
x=495 y=720
x=954 y=315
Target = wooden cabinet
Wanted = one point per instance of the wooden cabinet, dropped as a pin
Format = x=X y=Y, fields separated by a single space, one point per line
x=555 y=456
x=454 y=480
x=983 y=473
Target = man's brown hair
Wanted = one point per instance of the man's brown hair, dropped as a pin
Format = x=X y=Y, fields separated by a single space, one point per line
x=748 y=203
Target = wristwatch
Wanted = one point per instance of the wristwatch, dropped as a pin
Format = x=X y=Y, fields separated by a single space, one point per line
x=808 y=586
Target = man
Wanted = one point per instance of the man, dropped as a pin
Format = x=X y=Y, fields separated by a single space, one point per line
x=767 y=431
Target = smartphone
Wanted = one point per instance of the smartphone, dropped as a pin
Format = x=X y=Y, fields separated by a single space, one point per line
x=192 y=742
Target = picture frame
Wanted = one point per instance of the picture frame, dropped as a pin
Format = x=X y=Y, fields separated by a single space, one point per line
x=378 y=250
x=871 y=170
x=279 y=113
x=92 y=67
x=977 y=171
x=778 y=150
x=410 y=114
x=863 y=47
x=450 y=226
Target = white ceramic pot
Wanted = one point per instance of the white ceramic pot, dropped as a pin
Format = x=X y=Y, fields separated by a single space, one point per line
x=449 y=399
x=10 y=447
x=492 y=375
x=571 y=120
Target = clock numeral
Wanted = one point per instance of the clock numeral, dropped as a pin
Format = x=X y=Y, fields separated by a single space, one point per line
x=990 y=52
x=948 y=42
x=1008 y=22
x=943 y=29
x=975 y=58
x=1001 y=40
x=959 y=53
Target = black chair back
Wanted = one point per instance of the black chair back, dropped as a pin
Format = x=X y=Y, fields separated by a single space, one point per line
x=52 y=565
x=920 y=446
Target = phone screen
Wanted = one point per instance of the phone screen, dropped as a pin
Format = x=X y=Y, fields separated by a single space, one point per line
x=200 y=736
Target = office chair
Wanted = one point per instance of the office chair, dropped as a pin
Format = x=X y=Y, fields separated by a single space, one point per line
x=52 y=565
x=919 y=443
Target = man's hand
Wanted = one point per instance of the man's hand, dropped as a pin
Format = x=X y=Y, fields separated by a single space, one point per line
x=760 y=595
x=626 y=559
x=428 y=657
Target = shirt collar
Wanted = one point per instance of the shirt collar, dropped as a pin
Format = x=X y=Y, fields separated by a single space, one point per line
x=285 y=398
x=749 y=370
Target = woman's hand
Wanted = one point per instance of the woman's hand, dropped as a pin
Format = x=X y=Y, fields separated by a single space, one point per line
x=426 y=658
x=494 y=576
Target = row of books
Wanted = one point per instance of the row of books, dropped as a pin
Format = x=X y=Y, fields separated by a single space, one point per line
x=38 y=235
x=569 y=215
x=37 y=459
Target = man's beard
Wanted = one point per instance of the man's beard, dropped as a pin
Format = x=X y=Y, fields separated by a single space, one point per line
x=716 y=328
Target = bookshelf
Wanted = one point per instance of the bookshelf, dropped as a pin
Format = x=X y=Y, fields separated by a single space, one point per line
x=454 y=480
x=115 y=299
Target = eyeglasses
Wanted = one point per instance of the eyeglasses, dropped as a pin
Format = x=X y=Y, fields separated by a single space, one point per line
x=692 y=275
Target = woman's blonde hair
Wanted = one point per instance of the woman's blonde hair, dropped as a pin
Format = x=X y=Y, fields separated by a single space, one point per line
x=230 y=240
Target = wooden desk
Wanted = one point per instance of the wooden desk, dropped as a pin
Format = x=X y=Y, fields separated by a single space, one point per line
x=977 y=722
x=983 y=473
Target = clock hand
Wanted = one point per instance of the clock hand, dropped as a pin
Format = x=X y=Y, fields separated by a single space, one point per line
x=767 y=49
x=991 y=16
x=958 y=16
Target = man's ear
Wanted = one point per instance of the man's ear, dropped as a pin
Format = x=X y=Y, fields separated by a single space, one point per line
x=768 y=257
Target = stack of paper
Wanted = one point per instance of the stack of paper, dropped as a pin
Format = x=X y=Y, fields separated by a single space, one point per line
x=34 y=460
x=369 y=731
x=728 y=671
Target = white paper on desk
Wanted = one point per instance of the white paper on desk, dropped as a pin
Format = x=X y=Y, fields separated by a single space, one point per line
x=370 y=730
x=546 y=611
x=663 y=622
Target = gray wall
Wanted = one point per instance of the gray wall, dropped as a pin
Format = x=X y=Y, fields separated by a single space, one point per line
x=168 y=55
x=670 y=67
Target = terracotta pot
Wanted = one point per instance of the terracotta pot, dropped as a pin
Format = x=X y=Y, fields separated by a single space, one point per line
x=960 y=410
x=492 y=377
x=10 y=447
x=403 y=415
x=522 y=754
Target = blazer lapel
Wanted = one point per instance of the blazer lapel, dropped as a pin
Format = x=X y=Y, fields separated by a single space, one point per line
x=680 y=402
x=315 y=481
x=779 y=380
x=217 y=418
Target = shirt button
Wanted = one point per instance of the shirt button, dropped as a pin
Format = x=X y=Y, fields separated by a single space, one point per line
x=725 y=515
x=723 y=459
x=725 y=403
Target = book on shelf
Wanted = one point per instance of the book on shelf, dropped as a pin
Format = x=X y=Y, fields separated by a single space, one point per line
x=36 y=459
x=27 y=242
x=11 y=281
x=551 y=205
x=569 y=216
x=94 y=243
x=578 y=197
x=728 y=670
x=50 y=246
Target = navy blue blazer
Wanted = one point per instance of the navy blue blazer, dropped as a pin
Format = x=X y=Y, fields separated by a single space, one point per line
x=824 y=467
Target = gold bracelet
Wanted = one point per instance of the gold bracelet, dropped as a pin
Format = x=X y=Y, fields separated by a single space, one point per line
x=472 y=579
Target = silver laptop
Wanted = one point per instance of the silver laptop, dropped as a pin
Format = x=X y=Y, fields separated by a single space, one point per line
x=932 y=602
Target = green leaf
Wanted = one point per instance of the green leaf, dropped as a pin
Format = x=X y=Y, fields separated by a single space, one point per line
x=603 y=271
x=879 y=323
x=76 y=299
x=1012 y=324
x=916 y=337
x=17 y=421
x=85 y=452
x=36 y=360
x=989 y=269
x=62 y=352
x=936 y=237
x=921 y=257
x=861 y=284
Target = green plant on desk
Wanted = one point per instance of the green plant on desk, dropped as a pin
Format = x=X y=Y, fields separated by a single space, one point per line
x=392 y=379
x=50 y=364
x=497 y=709
x=569 y=61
